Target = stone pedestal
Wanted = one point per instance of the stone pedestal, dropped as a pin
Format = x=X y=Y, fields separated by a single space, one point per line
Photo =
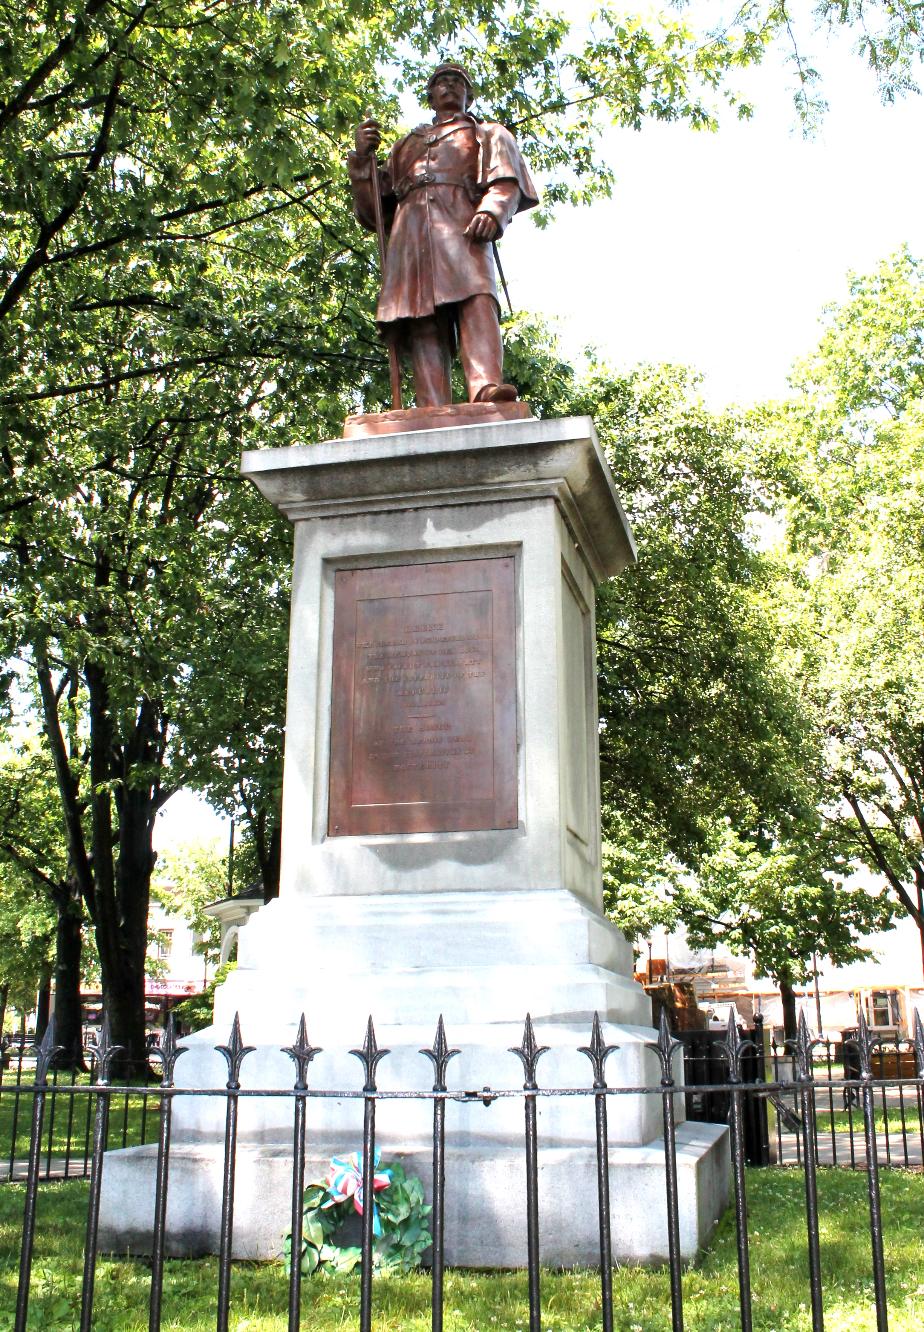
x=441 y=692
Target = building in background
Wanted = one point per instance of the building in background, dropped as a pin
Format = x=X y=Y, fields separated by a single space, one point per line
x=178 y=948
x=231 y=913
x=887 y=989
x=182 y=969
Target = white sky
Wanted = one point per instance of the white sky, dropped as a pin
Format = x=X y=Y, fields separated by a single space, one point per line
x=717 y=251
x=187 y=819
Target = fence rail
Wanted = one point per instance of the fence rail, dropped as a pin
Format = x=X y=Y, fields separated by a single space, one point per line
x=793 y=1090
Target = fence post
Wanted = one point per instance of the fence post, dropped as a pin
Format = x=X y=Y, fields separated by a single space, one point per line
x=665 y=1048
x=529 y=1054
x=168 y=1052
x=917 y=1042
x=369 y=1056
x=234 y=1052
x=302 y=1052
x=756 y=1114
x=439 y=1056
x=733 y=1048
x=805 y=1077
x=46 y=1053
x=107 y=1052
x=598 y=1053
x=865 y=1044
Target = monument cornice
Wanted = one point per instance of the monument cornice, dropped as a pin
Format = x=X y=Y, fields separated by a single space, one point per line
x=558 y=459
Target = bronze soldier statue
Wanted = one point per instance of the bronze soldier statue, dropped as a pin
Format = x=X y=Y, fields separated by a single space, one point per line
x=448 y=189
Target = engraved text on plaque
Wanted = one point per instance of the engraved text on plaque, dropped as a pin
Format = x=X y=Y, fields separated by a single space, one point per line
x=423 y=706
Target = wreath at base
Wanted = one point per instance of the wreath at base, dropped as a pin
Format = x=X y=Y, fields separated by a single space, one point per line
x=330 y=1210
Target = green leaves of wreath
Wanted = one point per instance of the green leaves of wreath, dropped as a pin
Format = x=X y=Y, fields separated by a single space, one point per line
x=399 y=1247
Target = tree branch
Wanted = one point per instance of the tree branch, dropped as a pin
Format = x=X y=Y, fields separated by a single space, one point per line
x=871 y=842
x=250 y=217
x=67 y=786
x=28 y=866
x=140 y=300
x=20 y=100
x=22 y=503
x=191 y=210
x=48 y=230
x=158 y=371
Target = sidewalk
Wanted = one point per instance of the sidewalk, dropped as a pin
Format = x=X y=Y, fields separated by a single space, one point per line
x=835 y=1149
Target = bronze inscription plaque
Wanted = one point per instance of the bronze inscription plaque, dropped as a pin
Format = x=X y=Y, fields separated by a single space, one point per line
x=423 y=706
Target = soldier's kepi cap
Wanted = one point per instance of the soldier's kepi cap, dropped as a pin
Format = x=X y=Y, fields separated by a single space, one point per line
x=450 y=67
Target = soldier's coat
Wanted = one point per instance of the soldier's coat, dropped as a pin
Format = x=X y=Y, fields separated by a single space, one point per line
x=435 y=180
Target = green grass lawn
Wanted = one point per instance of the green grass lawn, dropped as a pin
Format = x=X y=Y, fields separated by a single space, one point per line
x=72 y=1116
x=478 y=1302
x=842 y=1120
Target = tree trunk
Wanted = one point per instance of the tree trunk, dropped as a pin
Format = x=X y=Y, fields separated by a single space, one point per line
x=68 y=1004
x=114 y=875
x=121 y=884
x=122 y=982
x=266 y=830
x=124 y=1001
x=78 y=888
x=919 y=885
x=43 y=1006
x=125 y=973
x=790 y=1018
x=4 y=995
x=270 y=863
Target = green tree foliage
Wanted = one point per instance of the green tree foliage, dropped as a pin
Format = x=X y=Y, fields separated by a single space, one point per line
x=41 y=914
x=187 y=879
x=194 y=1013
x=781 y=905
x=709 y=753
x=846 y=456
x=180 y=276
x=700 y=721
x=27 y=930
x=889 y=37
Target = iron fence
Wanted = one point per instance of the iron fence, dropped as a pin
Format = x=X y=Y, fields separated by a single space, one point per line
x=839 y=1122
x=708 y=1100
x=771 y=1123
x=66 y=1149
x=793 y=1086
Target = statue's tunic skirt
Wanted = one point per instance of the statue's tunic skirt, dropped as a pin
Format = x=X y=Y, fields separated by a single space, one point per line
x=434 y=182
x=430 y=262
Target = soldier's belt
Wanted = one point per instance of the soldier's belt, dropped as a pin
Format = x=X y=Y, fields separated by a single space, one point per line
x=404 y=187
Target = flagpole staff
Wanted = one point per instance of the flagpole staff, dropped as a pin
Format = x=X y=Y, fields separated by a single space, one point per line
x=394 y=367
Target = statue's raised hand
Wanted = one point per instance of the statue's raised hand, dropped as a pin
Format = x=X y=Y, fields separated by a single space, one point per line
x=368 y=137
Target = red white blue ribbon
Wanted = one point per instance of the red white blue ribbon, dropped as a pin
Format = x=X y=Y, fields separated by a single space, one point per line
x=345 y=1180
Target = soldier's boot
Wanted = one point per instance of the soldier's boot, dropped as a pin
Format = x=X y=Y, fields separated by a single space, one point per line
x=481 y=350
